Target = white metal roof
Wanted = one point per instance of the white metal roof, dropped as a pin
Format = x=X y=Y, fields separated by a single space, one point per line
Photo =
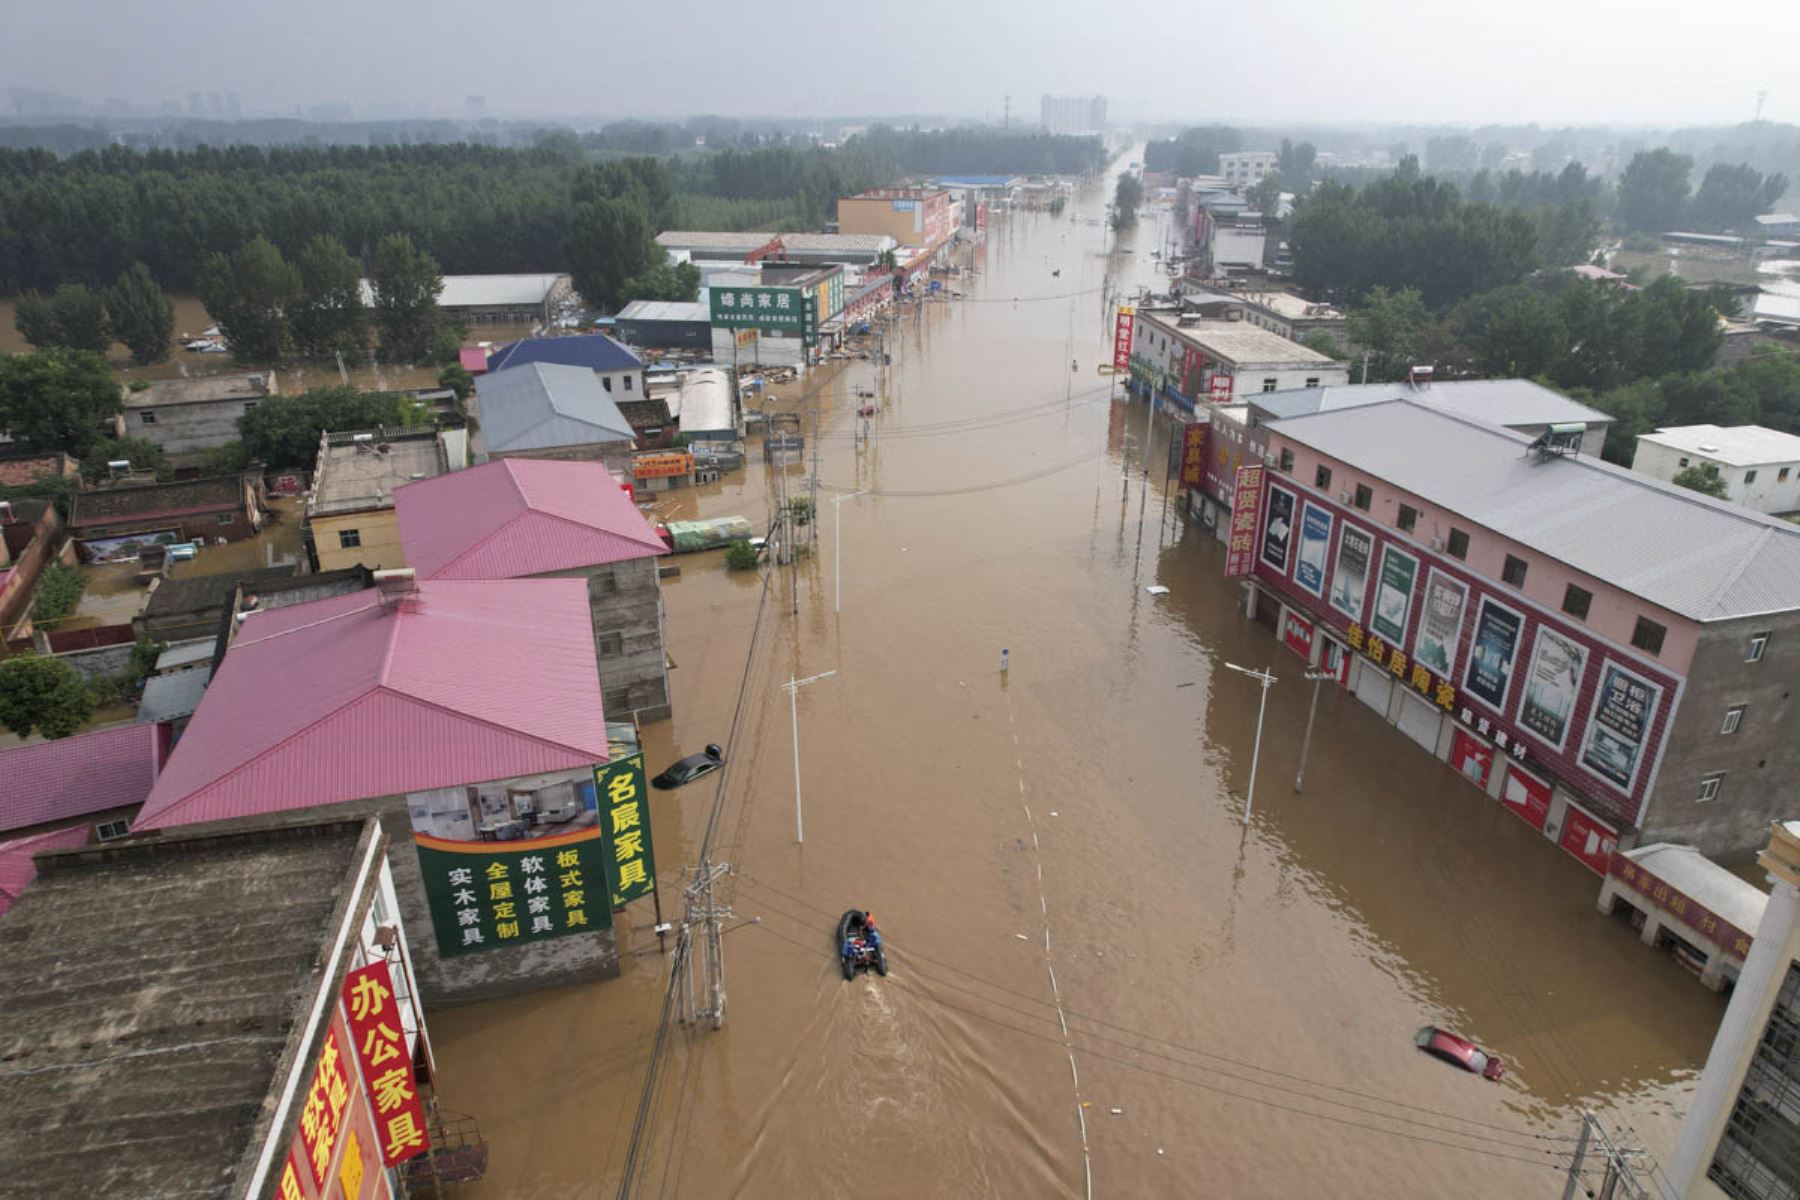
x=1684 y=552
x=482 y=291
x=1776 y=308
x=664 y=310
x=1732 y=446
x=1507 y=402
x=1239 y=342
x=1704 y=881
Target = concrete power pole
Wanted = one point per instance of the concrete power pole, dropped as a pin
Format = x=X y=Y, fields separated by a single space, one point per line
x=701 y=926
x=1618 y=1180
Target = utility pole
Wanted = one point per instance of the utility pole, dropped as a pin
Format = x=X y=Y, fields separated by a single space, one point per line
x=1618 y=1180
x=837 y=549
x=704 y=913
x=1316 y=677
x=792 y=688
x=1264 y=677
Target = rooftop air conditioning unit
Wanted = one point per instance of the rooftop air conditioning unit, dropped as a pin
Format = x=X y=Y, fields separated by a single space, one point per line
x=396 y=585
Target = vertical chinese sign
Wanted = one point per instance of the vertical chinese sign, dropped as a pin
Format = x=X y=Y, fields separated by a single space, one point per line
x=1246 y=501
x=487 y=895
x=625 y=818
x=322 y=1111
x=380 y=1041
x=1193 y=454
x=1122 y=338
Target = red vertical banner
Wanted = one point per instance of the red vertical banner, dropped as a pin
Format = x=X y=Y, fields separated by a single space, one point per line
x=1218 y=387
x=1246 y=506
x=322 y=1113
x=1193 y=454
x=380 y=1041
x=1122 y=338
x=1297 y=633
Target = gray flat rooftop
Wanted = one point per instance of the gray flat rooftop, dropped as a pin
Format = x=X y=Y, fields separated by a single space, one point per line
x=1733 y=445
x=203 y=389
x=1493 y=401
x=148 y=991
x=1238 y=342
x=1687 y=553
x=352 y=476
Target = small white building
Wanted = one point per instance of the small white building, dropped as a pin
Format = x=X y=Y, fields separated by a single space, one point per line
x=1247 y=168
x=1188 y=360
x=1761 y=467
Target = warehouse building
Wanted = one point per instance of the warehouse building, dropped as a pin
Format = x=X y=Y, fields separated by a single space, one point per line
x=497 y=299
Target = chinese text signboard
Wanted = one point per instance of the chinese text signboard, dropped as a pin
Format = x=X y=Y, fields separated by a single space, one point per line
x=1193 y=454
x=1122 y=338
x=487 y=895
x=781 y=309
x=322 y=1110
x=625 y=817
x=661 y=466
x=1672 y=900
x=1246 y=499
x=380 y=1040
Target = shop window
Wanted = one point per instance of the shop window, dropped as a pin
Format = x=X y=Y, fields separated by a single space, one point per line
x=1648 y=635
x=1759 y=642
x=1709 y=786
x=1407 y=518
x=108 y=831
x=349 y=539
x=148 y=416
x=1459 y=544
x=1364 y=497
x=1514 y=571
x=1734 y=716
x=1577 y=601
x=1322 y=478
x=1285 y=462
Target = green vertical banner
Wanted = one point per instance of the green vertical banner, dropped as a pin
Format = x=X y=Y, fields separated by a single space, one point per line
x=488 y=895
x=625 y=821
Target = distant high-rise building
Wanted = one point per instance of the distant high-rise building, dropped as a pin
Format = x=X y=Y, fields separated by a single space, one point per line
x=1073 y=114
x=234 y=107
x=215 y=104
x=475 y=107
x=196 y=104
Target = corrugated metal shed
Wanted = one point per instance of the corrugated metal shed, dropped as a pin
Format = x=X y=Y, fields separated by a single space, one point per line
x=542 y=406
x=73 y=776
x=1687 y=553
x=1506 y=402
x=665 y=310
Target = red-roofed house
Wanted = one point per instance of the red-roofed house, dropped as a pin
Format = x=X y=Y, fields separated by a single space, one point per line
x=467 y=711
x=520 y=518
x=93 y=780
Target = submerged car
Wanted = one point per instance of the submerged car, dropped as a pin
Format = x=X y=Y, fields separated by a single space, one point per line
x=1459 y=1052
x=690 y=768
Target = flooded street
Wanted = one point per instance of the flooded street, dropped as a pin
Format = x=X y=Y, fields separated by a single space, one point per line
x=1102 y=982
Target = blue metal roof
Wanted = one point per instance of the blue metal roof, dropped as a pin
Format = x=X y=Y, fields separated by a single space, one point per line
x=595 y=351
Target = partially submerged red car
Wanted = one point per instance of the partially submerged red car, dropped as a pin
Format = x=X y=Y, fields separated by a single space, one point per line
x=1458 y=1051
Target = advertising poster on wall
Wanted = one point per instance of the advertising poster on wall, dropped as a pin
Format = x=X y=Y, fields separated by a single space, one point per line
x=1440 y=625
x=1350 y=580
x=489 y=895
x=1526 y=795
x=1491 y=654
x=1552 y=685
x=1588 y=840
x=1296 y=633
x=1619 y=726
x=1393 y=595
x=1472 y=758
x=1315 y=544
x=1278 y=531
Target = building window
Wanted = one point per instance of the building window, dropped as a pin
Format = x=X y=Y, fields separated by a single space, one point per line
x=1709 y=786
x=1684 y=462
x=109 y=831
x=1407 y=518
x=628 y=383
x=1648 y=635
x=1781 y=475
x=147 y=416
x=1269 y=384
x=1749 y=476
x=1759 y=642
x=249 y=404
x=1734 y=716
x=1322 y=478
x=1364 y=497
x=1514 y=571
x=1459 y=544
x=227 y=519
x=1577 y=601
x=1312 y=381
x=606 y=382
x=1286 y=460
x=611 y=644
x=349 y=539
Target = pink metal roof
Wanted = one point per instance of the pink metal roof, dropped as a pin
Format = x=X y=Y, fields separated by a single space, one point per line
x=16 y=868
x=520 y=516
x=474 y=359
x=74 y=776
x=346 y=698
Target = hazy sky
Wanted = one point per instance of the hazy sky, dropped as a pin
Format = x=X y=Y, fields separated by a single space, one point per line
x=1411 y=61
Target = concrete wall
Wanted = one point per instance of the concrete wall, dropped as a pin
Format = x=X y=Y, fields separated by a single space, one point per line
x=1761 y=760
x=625 y=599
x=378 y=530
x=106 y=662
x=616 y=455
x=187 y=428
x=1776 y=488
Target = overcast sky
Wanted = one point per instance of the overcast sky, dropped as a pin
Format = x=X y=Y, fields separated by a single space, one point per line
x=1253 y=61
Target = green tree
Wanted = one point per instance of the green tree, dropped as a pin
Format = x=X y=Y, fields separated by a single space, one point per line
x=1731 y=197
x=1323 y=343
x=57 y=398
x=1703 y=478
x=1128 y=193
x=406 y=283
x=35 y=320
x=80 y=319
x=1653 y=191
x=142 y=455
x=1265 y=197
x=283 y=431
x=43 y=694
x=249 y=293
x=141 y=315
x=1636 y=408
x=1296 y=164
x=327 y=315
x=1513 y=333
x=1388 y=326
x=610 y=242
x=58 y=593
x=456 y=377
x=664 y=281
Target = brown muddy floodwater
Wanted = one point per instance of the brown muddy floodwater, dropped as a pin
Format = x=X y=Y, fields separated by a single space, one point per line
x=1103 y=983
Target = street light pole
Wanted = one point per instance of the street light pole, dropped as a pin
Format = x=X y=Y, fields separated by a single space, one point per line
x=1264 y=677
x=837 y=549
x=1317 y=677
x=792 y=688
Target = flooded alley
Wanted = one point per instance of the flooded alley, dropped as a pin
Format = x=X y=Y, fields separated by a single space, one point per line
x=1103 y=982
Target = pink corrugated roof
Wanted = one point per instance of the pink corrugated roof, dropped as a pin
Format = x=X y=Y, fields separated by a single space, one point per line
x=345 y=699
x=474 y=359
x=74 y=776
x=519 y=516
x=16 y=868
